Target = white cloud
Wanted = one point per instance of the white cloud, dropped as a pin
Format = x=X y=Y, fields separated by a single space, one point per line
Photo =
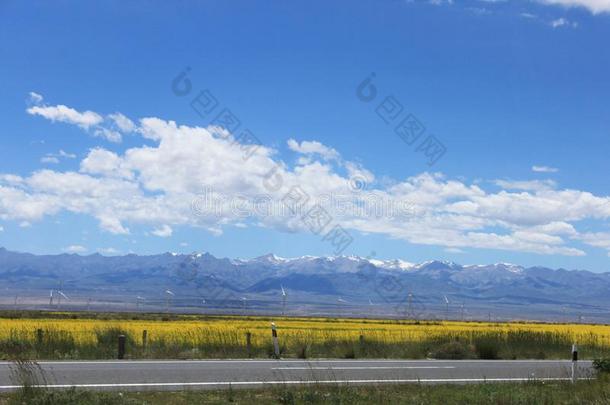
x=528 y=15
x=563 y=22
x=75 y=249
x=62 y=113
x=108 y=134
x=162 y=186
x=111 y=127
x=35 y=98
x=103 y=162
x=112 y=224
x=164 y=231
x=479 y=10
x=54 y=158
x=65 y=154
x=108 y=251
x=594 y=6
x=544 y=169
x=49 y=160
x=528 y=185
x=313 y=147
x=1 y=228
x=122 y=122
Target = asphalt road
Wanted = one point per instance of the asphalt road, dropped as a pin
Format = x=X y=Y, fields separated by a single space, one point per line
x=213 y=374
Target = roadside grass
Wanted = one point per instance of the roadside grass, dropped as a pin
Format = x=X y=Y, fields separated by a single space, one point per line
x=204 y=343
x=584 y=392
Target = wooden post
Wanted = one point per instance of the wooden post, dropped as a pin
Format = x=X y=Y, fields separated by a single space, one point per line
x=121 y=354
x=361 y=339
x=39 y=335
x=249 y=343
x=144 y=338
x=276 y=346
x=574 y=361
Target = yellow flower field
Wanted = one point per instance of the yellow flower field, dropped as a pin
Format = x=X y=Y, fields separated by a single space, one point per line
x=232 y=330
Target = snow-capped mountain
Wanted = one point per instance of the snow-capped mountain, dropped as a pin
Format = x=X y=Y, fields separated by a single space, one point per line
x=312 y=282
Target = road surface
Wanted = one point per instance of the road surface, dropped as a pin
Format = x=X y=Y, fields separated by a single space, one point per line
x=214 y=374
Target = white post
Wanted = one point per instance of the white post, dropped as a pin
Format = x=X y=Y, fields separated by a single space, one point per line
x=574 y=361
x=276 y=346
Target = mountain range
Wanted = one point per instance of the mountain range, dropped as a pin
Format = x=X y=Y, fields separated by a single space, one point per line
x=307 y=285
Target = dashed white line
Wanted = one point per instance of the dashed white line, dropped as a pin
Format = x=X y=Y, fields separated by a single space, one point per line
x=361 y=368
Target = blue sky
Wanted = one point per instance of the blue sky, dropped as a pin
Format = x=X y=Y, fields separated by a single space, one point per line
x=515 y=91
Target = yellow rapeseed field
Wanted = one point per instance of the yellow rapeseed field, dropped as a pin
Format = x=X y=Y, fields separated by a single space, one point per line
x=232 y=330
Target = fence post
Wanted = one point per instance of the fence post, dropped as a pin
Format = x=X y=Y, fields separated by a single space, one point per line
x=144 y=338
x=276 y=346
x=39 y=336
x=574 y=361
x=249 y=343
x=121 y=355
x=361 y=340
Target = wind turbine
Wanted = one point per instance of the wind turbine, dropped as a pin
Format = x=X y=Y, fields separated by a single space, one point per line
x=168 y=299
x=61 y=294
x=138 y=300
x=284 y=297
x=245 y=300
x=410 y=300
x=343 y=302
x=372 y=307
x=446 y=307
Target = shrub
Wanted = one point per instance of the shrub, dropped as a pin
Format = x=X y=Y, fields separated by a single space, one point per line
x=602 y=365
x=453 y=351
x=13 y=348
x=487 y=350
x=302 y=352
x=350 y=353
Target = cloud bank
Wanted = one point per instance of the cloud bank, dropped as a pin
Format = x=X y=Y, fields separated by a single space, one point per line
x=162 y=186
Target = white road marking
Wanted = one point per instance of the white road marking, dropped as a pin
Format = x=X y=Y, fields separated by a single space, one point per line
x=360 y=368
x=296 y=382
